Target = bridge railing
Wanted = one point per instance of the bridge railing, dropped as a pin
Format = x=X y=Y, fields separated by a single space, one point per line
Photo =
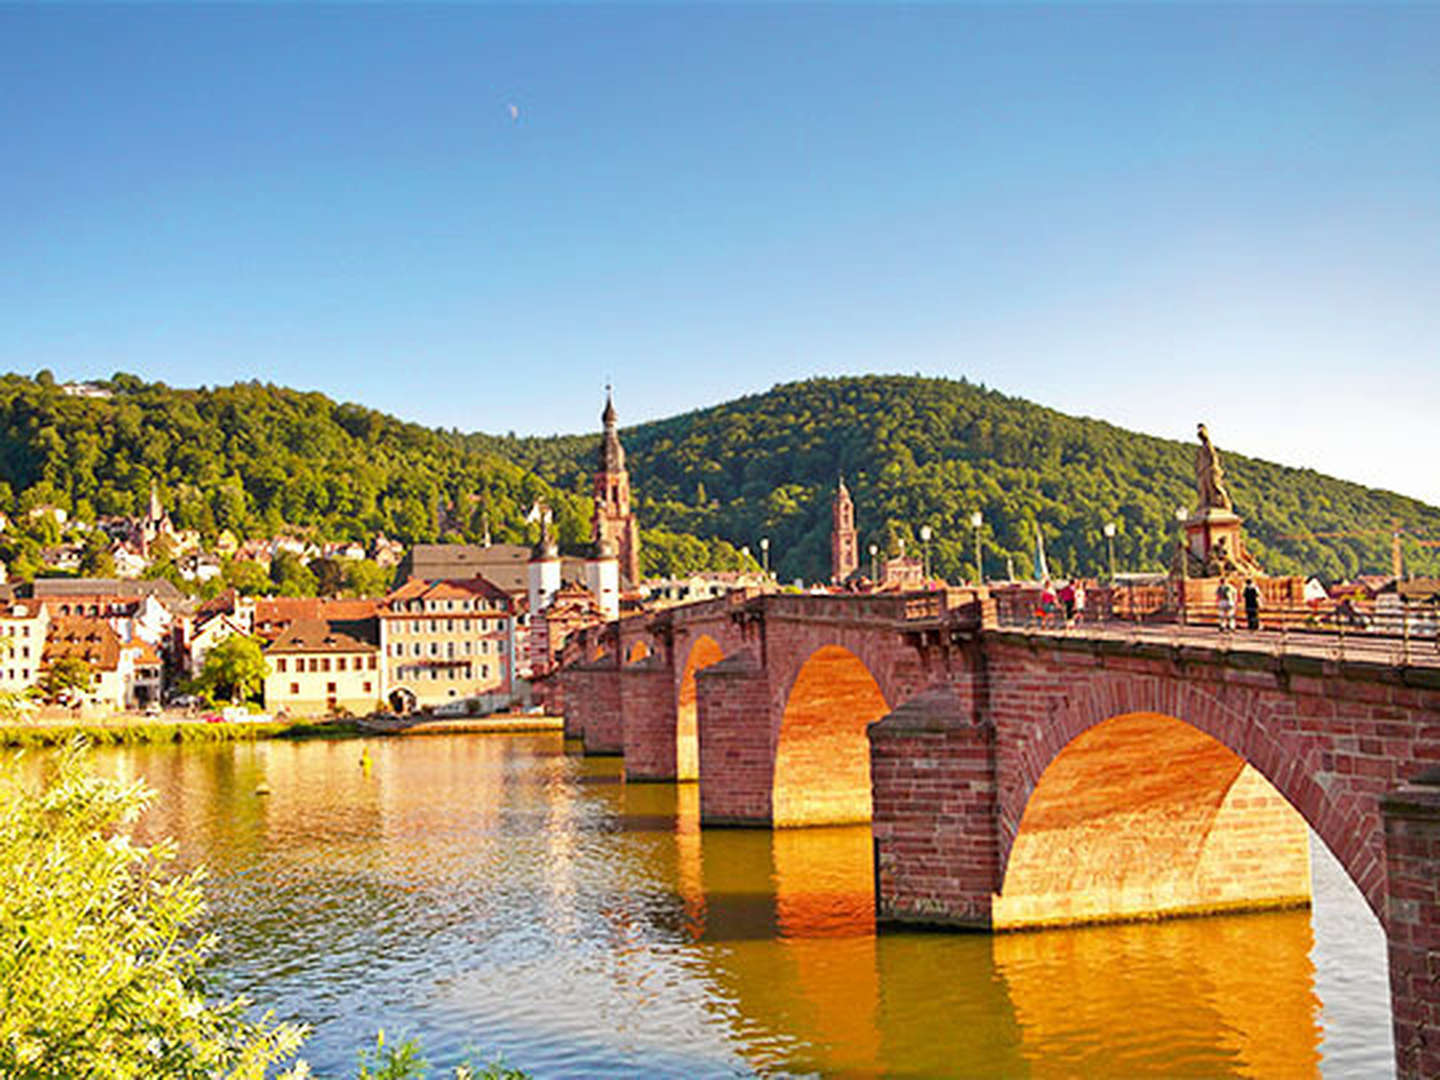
x=1405 y=635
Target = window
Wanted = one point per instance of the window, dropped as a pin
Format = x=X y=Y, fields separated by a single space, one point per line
x=371 y=665
x=467 y=648
x=330 y=688
x=340 y=663
x=416 y=650
x=434 y=674
x=449 y=626
x=466 y=627
x=484 y=671
x=325 y=663
x=366 y=687
x=280 y=665
x=434 y=648
x=295 y=689
x=434 y=626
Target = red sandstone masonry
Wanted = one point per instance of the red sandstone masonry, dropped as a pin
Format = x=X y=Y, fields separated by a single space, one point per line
x=937 y=854
x=647 y=706
x=1412 y=849
x=593 y=695
x=737 y=742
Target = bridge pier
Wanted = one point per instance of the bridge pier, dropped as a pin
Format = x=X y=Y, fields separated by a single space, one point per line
x=935 y=826
x=737 y=742
x=593 y=707
x=647 y=708
x=1412 y=922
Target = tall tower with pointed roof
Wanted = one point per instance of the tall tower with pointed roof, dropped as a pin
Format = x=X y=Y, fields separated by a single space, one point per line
x=614 y=523
x=844 y=545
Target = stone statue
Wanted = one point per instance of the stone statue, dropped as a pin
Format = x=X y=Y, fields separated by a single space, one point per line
x=1210 y=476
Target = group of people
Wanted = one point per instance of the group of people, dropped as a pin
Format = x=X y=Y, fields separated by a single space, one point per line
x=1225 y=597
x=1070 y=600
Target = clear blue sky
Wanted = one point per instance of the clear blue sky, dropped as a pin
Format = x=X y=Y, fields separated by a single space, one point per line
x=1152 y=215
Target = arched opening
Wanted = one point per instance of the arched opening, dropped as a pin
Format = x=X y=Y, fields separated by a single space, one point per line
x=822 y=759
x=402 y=701
x=703 y=653
x=1143 y=816
x=638 y=650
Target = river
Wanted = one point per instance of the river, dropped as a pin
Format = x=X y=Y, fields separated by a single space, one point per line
x=498 y=893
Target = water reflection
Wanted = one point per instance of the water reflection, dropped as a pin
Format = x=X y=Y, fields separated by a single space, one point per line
x=499 y=893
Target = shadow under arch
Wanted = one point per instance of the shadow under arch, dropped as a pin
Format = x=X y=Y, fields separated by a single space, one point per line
x=704 y=651
x=1144 y=816
x=822 y=754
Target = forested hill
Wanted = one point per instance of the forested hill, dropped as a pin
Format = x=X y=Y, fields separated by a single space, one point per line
x=259 y=460
x=918 y=451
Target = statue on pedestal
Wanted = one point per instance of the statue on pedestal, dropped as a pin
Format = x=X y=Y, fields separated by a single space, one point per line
x=1210 y=475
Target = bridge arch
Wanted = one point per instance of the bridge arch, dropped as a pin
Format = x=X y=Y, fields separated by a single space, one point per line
x=822 y=755
x=637 y=651
x=1143 y=816
x=703 y=652
x=1234 y=717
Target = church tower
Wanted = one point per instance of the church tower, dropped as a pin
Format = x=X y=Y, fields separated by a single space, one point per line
x=614 y=523
x=844 y=547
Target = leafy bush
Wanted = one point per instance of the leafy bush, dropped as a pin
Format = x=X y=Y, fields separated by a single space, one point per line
x=99 y=954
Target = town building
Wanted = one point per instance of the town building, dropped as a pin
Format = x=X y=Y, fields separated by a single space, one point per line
x=447 y=640
x=322 y=666
x=23 y=628
x=124 y=675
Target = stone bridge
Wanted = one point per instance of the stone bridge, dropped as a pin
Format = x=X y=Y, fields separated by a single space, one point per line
x=1019 y=777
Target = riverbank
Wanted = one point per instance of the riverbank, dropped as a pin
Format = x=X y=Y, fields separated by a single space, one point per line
x=136 y=730
x=122 y=731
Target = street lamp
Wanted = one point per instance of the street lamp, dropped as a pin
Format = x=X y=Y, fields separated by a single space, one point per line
x=976 y=520
x=1183 y=585
x=765 y=554
x=874 y=563
x=1110 y=544
x=925 y=534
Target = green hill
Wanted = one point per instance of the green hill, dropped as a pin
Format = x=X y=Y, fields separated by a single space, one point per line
x=929 y=451
x=260 y=459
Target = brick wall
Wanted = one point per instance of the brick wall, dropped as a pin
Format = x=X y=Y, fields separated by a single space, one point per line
x=937 y=856
x=737 y=744
x=647 y=704
x=592 y=707
x=1412 y=850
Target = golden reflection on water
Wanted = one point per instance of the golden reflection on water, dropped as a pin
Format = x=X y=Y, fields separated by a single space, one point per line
x=631 y=933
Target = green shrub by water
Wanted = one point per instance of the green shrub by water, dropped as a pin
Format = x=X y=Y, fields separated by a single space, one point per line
x=139 y=732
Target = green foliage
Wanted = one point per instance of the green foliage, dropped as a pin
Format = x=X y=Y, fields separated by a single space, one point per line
x=136 y=732
x=365 y=577
x=234 y=670
x=65 y=678
x=99 y=957
x=258 y=459
x=246 y=577
x=918 y=451
x=403 y=1062
x=290 y=576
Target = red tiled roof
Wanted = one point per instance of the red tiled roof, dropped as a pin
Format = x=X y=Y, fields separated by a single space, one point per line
x=328 y=635
x=420 y=589
x=89 y=639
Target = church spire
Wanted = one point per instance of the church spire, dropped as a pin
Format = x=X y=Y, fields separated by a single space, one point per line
x=614 y=523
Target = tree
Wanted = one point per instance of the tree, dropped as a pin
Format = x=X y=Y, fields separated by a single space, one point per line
x=99 y=956
x=290 y=576
x=233 y=671
x=365 y=577
x=95 y=559
x=245 y=576
x=66 y=678
x=329 y=576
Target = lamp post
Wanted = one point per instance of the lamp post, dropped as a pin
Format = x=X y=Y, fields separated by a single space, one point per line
x=765 y=554
x=925 y=534
x=976 y=520
x=875 y=563
x=1110 y=546
x=1183 y=584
